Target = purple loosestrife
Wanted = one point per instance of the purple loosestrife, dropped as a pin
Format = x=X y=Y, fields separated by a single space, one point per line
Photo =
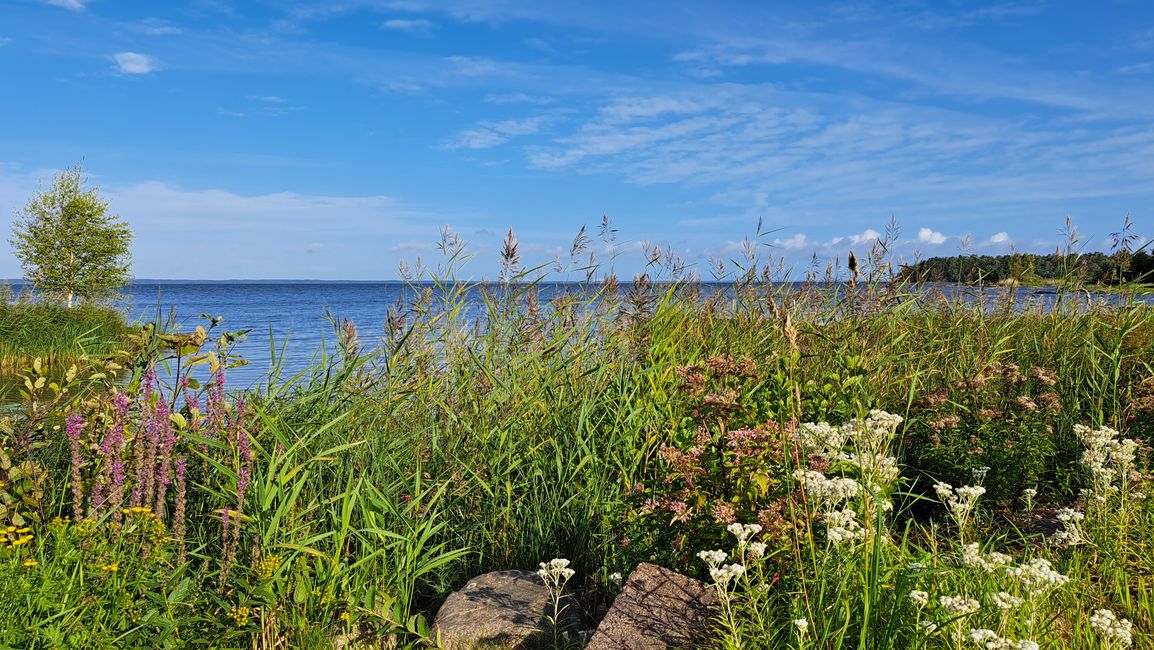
x=116 y=471
x=181 y=504
x=74 y=424
x=167 y=443
x=140 y=440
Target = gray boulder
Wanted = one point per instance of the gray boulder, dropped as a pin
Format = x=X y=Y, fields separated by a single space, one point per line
x=658 y=609
x=503 y=610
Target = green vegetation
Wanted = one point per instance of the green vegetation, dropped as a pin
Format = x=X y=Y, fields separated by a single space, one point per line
x=608 y=425
x=69 y=245
x=55 y=334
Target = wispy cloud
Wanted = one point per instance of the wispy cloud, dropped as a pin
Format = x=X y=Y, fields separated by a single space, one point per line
x=71 y=5
x=490 y=134
x=517 y=98
x=5 y=40
x=154 y=27
x=417 y=26
x=134 y=63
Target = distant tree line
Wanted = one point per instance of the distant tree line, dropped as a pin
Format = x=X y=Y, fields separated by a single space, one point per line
x=1089 y=268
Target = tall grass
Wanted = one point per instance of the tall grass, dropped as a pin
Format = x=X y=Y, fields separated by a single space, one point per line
x=55 y=334
x=595 y=425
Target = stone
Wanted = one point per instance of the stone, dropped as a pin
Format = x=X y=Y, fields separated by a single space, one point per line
x=503 y=610
x=658 y=609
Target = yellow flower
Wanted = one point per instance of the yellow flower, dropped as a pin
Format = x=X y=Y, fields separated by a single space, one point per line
x=110 y=568
x=345 y=616
x=29 y=564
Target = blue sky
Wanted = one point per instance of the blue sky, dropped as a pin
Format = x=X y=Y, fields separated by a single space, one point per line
x=332 y=140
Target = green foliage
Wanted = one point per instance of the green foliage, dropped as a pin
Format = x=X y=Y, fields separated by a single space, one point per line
x=57 y=335
x=69 y=245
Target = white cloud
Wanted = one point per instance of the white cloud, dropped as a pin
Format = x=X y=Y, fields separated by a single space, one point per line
x=4 y=40
x=869 y=235
x=269 y=99
x=999 y=238
x=793 y=243
x=135 y=63
x=491 y=134
x=927 y=236
x=412 y=26
x=71 y=5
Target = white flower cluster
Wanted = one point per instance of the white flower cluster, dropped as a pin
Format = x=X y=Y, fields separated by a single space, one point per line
x=556 y=571
x=723 y=575
x=960 y=501
x=920 y=598
x=822 y=438
x=1071 y=533
x=871 y=435
x=842 y=526
x=1038 y=576
x=826 y=491
x=713 y=559
x=1107 y=457
x=867 y=442
x=959 y=605
x=990 y=640
x=1005 y=601
x=1028 y=496
x=1114 y=630
x=743 y=532
x=972 y=557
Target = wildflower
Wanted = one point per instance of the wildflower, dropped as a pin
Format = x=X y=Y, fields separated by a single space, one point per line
x=842 y=526
x=1114 y=630
x=556 y=571
x=239 y=616
x=1037 y=576
x=827 y=492
x=74 y=424
x=723 y=575
x=743 y=531
x=959 y=605
x=979 y=474
x=345 y=617
x=971 y=557
x=615 y=577
x=268 y=566
x=981 y=637
x=713 y=558
x=928 y=627
x=802 y=625
x=1071 y=534
x=110 y=568
x=1005 y=601
x=1028 y=496
x=756 y=550
x=920 y=598
x=30 y=564
x=960 y=501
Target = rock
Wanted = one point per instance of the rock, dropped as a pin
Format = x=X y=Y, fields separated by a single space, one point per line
x=658 y=609
x=504 y=610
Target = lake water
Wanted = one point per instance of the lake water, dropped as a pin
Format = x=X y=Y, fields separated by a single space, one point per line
x=294 y=313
